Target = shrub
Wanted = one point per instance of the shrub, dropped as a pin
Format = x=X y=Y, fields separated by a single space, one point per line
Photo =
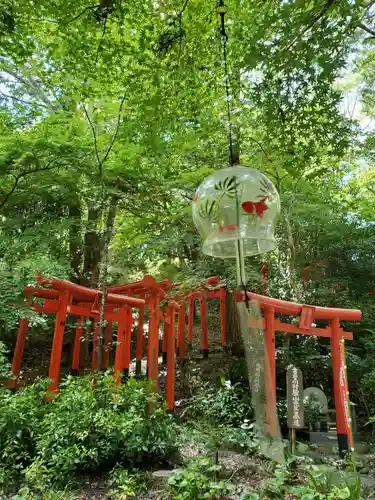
x=211 y=436
x=313 y=411
x=90 y=425
x=26 y=494
x=196 y=481
x=20 y=418
x=4 y=362
x=97 y=425
x=322 y=483
x=329 y=484
x=228 y=404
x=124 y=484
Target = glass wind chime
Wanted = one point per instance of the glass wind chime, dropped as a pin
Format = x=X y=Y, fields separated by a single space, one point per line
x=235 y=209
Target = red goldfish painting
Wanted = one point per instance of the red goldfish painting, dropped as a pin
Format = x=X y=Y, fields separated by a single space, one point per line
x=255 y=207
x=231 y=227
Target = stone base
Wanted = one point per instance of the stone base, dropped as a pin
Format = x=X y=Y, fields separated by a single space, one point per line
x=327 y=437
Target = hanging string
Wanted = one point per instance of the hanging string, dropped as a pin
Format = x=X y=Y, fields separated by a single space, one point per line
x=221 y=9
x=224 y=38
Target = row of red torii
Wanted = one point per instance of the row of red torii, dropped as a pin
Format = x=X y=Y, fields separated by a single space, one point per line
x=63 y=298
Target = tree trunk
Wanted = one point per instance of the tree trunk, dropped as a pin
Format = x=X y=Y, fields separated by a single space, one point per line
x=108 y=233
x=297 y=296
x=75 y=240
x=92 y=248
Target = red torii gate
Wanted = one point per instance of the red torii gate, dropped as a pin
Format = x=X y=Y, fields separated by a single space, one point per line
x=59 y=299
x=153 y=293
x=307 y=314
x=65 y=298
x=203 y=296
x=333 y=331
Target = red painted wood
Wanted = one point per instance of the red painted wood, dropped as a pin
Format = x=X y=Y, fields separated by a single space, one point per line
x=33 y=291
x=147 y=282
x=190 y=319
x=307 y=316
x=141 y=320
x=78 y=292
x=345 y=395
x=294 y=309
x=203 y=310
x=181 y=332
x=20 y=347
x=153 y=343
x=77 y=343
x=48 y=307
x=81 y=310
x=119 y=353
x=335 y=353
x=270 y=372
x=128 y=337
x=166 y=322
x=171 y=366
x=58 y=338
x=292 y=328
x=213 y=280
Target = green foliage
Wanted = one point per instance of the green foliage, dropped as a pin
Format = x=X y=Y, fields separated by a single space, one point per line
x=229 y=404
x=312 y=411
x=125 y=484
x=277 y=484
x=323 y=483
x=215 y=436
x=198 y=481
x=91 y=424
x=25 y=493
x=5 y=371
x=21 y=418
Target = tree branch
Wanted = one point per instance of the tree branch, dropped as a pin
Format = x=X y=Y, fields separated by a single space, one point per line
x=101 y=161
x=100 y=166
x=316 y=19
x=367 y=29
x=101 y=39
x=90 y=7
x=260 y=147
x=11 y=97
x=20 y=176
x=31 y=89
x=116 y=130
x=183 y=8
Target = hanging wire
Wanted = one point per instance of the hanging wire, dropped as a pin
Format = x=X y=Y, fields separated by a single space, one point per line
x=221 y=9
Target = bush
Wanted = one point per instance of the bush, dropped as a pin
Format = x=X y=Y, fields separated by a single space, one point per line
x=20 y=419
x=196 y=481
x=228 y=404
x=124 y=484
x=5 y=371
x=91 y=425
x=206 y=435
x=321 y=483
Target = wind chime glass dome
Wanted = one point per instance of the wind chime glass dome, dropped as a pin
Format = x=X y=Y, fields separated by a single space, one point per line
x=236 y=204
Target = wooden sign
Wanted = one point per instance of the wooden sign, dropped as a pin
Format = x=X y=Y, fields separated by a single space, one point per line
x=294 y=387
